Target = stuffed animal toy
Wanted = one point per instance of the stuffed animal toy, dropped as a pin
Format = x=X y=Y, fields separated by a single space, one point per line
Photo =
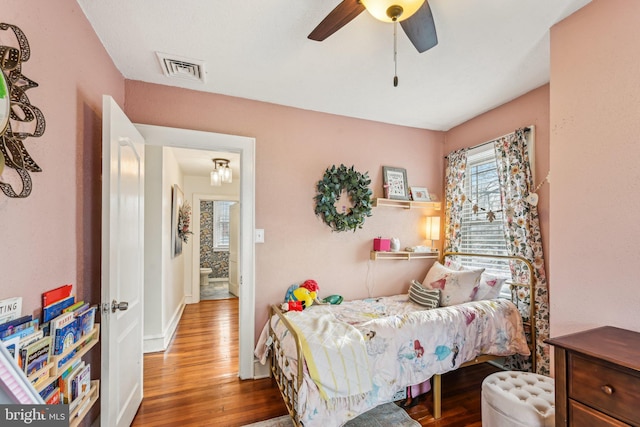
x=306 y=293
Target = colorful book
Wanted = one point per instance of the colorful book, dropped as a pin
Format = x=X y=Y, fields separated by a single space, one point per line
x=7 y=326
x=63 y=329
x=53 y=398
x=12 y=345
x=56 y=295
x=76 y=307
x=31 y=325
x=80 y=385
x=48 y=389
x=21 y=334
x=36 y=355
x=86 y=320
x=42 y=377
x=54 y=310
x=66 y=381
x=10 y=308
x=66 y=358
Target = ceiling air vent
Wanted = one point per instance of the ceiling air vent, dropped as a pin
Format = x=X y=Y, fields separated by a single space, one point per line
x=180 y=67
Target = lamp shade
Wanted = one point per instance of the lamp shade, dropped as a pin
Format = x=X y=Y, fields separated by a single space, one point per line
x=227 y=176
x=216 y=179
x=433 y=228
x=380 y=8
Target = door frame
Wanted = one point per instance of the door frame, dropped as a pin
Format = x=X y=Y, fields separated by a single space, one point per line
x=245 y=146
x=195 y=259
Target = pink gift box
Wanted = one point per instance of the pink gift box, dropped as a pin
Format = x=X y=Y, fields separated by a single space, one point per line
x=382 y=245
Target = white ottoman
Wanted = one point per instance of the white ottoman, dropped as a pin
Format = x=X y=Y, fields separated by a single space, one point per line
x=513 y=398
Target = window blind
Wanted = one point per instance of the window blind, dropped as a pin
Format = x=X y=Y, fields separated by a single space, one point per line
x=479 y=233
x=221 y=224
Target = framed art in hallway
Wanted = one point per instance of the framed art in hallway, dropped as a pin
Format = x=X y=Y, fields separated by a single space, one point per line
x=177 y=198
x=395 y=183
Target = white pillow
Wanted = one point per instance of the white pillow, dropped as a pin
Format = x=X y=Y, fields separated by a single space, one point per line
x=489 y=288
x=456 y=287
x=490 y=285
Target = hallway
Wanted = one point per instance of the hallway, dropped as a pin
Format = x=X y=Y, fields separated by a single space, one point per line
x=195 y=381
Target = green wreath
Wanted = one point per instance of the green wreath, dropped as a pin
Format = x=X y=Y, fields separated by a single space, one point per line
x=330 y=187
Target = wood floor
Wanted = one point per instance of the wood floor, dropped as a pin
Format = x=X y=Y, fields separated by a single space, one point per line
x=195 y=382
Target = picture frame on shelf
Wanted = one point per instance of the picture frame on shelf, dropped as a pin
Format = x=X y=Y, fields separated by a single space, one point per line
x=420 y=194
x=177 y=198
x=395 y=183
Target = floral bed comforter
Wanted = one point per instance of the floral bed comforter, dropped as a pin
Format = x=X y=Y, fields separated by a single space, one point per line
x=405 y=345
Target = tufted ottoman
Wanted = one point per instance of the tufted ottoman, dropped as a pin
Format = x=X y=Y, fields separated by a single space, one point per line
x=513 y=398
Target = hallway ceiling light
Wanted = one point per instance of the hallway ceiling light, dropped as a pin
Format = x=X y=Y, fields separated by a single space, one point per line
x=221 y=172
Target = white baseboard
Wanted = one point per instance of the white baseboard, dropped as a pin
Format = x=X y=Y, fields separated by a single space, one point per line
x=260 y=370
x=155 y=343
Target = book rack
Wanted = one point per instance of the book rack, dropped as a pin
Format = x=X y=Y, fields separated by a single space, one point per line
x=52 y=372
x=86 y=402
x=82 y=346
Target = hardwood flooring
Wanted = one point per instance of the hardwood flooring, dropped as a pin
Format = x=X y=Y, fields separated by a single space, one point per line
x=195 y=381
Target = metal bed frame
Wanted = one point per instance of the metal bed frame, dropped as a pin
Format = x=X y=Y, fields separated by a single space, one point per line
x=289 y=387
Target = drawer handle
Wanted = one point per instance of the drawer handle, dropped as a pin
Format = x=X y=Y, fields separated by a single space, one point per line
x=607 y=389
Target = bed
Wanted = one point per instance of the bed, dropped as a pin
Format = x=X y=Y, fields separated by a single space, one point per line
x=335 y=362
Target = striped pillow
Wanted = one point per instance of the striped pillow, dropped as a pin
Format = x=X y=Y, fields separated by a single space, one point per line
x=429 y=298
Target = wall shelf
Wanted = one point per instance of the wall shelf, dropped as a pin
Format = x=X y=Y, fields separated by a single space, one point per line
x=52 y=372
x=402 y=255
x=405 y=204
x=82 y=346
x=86 y=402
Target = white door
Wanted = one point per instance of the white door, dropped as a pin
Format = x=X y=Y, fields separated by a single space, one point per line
x=122 y=266
x=234 y=244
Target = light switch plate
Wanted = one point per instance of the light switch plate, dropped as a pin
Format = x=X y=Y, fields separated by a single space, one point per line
x=259 y=235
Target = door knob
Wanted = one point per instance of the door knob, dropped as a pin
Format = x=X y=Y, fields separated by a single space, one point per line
x=115 y=305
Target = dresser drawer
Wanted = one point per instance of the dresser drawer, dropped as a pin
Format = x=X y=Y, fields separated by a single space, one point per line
x=613 y=391
x=583 y=416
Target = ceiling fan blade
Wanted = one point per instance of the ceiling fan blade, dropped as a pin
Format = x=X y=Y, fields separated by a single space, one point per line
x=421 y=29
x=338 y=18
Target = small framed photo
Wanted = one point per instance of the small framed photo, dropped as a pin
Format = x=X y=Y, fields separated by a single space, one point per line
x=420 y=194
x=395 y=183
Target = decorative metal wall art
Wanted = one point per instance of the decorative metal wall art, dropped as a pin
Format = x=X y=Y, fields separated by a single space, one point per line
x=18 y=118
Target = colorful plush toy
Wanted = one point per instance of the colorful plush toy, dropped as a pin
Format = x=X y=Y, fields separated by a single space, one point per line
x=306 y=294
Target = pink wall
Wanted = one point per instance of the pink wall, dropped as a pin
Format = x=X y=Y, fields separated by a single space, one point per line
x=529 y=109
x=293 y=148
x=595 y=158
x=52 y=237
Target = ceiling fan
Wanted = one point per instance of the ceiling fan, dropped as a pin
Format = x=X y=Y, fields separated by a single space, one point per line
x=414 y=16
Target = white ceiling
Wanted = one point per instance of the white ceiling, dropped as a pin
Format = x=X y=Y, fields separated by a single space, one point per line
x=489 y=52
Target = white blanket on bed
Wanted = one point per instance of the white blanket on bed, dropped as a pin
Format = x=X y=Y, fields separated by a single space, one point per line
x=405 y=345
x=335 y=352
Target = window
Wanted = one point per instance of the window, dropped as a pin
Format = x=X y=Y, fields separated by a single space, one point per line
x=482 y=217
x=221 y=225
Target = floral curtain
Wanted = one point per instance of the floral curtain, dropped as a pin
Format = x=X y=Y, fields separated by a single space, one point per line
x=522 y=230
x=455 y=198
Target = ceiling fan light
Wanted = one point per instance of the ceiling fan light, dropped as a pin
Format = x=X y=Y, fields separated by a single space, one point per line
x=379 y=8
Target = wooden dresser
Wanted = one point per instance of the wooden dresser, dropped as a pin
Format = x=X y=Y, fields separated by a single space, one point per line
x=597 y=378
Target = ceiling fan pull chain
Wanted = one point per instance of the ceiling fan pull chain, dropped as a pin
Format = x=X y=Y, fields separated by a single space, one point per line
x=395 y=53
